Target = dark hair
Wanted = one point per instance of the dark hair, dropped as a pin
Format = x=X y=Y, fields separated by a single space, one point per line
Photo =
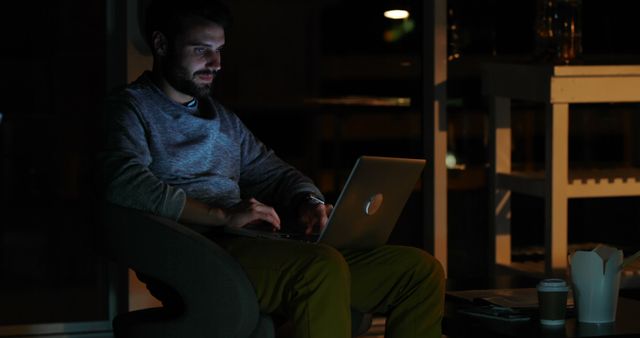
x=171 y=16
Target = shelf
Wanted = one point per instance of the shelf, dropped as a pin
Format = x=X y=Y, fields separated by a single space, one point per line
x=361 y=101
x=604 y=183
x=470 y=178
x=530 y=183
x=583 y=183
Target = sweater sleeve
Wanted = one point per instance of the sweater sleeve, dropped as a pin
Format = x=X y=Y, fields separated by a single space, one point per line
x=125 y=159
x=266 y=176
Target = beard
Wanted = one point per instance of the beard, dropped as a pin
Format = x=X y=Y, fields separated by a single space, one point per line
x=182 y=79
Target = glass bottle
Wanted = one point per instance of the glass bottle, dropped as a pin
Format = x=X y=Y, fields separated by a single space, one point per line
x=567 y=23
x=545 y=49
x=454 y=39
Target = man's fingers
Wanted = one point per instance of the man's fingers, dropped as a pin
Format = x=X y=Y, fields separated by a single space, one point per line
x=251 y=210
x=317 y=218
x=309 y=229
x=268 y=214
x=329 y=209
x=274 y=220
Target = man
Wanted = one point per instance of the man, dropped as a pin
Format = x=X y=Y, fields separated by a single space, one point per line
x=174 y=151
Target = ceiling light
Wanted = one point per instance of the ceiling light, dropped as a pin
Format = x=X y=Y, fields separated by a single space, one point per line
x=396 y=14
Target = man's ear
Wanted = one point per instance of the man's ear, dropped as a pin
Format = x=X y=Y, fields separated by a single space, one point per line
x=160 y=44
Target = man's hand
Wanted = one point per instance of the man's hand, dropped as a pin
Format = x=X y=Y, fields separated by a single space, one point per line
x=314 y=217
x=251 y=211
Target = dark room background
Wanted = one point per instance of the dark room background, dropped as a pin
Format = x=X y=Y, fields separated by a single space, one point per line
x=282 y=58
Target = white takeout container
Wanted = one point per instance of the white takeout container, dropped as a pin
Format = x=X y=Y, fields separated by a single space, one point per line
x=595 y=276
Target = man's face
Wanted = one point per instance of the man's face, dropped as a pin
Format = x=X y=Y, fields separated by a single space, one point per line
x=194 y=58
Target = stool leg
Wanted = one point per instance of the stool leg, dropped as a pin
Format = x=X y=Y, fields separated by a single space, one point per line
x=501 y=161
x=556 y=200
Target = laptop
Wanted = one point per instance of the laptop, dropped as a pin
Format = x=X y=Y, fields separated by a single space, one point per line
x=368 y=207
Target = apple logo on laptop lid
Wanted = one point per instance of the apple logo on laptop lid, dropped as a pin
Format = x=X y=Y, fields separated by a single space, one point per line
x=373 y=204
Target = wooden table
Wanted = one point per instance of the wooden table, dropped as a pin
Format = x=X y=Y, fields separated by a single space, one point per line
x=457 y=325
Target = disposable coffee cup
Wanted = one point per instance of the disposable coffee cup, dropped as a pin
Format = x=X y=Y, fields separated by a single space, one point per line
x=552 y=299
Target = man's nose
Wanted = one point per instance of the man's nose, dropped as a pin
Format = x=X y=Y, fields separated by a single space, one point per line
x=214 y=61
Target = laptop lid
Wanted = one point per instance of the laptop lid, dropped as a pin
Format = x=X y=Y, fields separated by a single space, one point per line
x=371 y=201
x=368 y=207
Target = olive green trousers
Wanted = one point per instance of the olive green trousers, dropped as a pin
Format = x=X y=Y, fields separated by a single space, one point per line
x=316 y=286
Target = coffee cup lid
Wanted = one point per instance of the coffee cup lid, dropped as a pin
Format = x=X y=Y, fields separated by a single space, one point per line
x=552 y=284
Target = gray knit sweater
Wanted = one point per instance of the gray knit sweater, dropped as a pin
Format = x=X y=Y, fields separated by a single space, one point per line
x=157 y=152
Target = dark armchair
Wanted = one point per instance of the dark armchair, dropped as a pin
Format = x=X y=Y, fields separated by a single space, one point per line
x=218 y=299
